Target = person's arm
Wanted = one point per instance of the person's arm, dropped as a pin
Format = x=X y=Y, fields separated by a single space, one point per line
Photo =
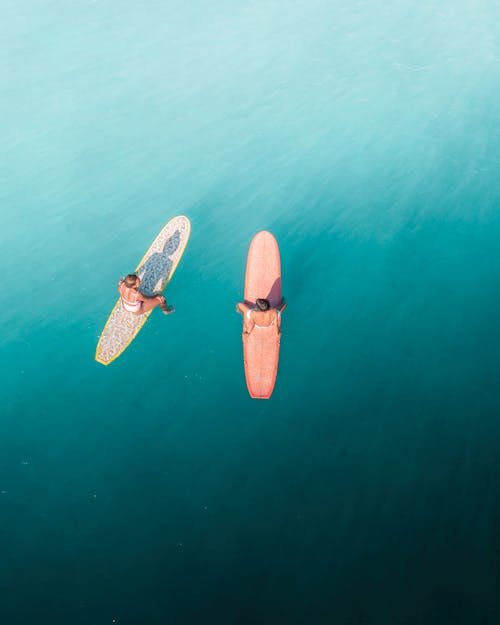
x=248 y=325
x=242 y=308
x=280 y=309
x=120 y=285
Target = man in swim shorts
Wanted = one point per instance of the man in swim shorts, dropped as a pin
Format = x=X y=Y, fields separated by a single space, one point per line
x=262 y=316
x=135 y=302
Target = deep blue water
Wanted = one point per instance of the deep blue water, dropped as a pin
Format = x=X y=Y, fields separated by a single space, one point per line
x=365 y=136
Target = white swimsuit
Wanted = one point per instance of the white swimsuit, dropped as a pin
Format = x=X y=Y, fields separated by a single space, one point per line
x=129 y=307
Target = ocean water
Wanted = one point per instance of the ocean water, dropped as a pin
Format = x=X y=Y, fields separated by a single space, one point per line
x=366 y=136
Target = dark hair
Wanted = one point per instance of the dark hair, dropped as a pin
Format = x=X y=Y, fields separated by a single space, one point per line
x=130 y=280
x=262 y=304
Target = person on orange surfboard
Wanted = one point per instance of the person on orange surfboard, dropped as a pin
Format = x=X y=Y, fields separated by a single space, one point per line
x=135 y=302
x=262 y=316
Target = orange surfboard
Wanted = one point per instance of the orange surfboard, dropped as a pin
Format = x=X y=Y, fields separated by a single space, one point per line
x=261 y=348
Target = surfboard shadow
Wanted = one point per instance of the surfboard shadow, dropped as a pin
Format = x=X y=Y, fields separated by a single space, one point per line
x=154 y=272
x=274 y=294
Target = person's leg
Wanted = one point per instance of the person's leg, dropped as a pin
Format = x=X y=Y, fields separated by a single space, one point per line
x=153 y=302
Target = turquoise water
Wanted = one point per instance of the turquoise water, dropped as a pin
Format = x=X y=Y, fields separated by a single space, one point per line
x=365 y=136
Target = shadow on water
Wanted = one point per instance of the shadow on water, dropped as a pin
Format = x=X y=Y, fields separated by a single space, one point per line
x=158 y=266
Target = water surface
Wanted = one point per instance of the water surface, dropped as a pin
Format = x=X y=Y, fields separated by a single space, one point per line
x=365 y=136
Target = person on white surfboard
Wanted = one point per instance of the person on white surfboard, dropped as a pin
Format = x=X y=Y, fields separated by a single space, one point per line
x=137 y=303
x=262 y=316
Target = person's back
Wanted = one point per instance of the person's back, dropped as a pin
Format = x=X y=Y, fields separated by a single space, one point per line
x=129 y=295
x=262 y=316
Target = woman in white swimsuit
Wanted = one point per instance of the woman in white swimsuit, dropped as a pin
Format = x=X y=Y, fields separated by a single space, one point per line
x=135 y=302
x=262 y=316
